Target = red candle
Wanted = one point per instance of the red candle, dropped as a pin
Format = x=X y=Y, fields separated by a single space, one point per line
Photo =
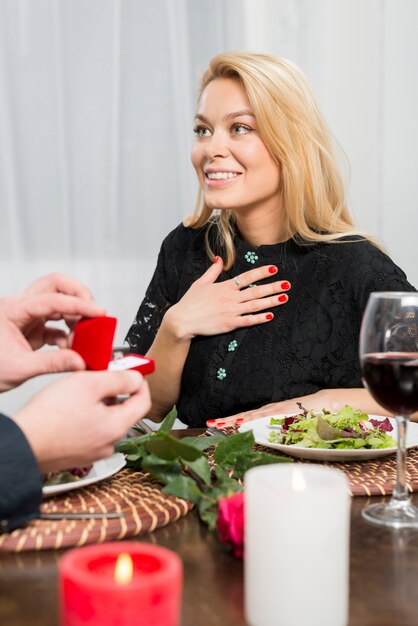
x=120 y=584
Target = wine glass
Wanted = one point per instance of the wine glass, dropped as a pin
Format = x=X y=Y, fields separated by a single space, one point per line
x=389 y=363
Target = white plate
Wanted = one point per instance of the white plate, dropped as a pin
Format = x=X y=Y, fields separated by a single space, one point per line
x=261 y=429
x=100 y=470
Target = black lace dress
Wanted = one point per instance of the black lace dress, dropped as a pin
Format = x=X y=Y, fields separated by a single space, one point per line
x=311 y=344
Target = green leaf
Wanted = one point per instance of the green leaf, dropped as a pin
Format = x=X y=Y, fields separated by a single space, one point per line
x=153 y=459
x=166 y=447
x=132 y=444
x=130 y=458
x=232 y=447
x=203 y=443
x=168 y=421
x=225 y=483
x=201 y=468
x=326 y=431
x=184 y=487
x=253 y=459
x=237 y=455
x=208 y=512
x=163 y=470
x=135 y=464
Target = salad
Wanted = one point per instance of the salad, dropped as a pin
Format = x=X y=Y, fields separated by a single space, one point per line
x=348 y=429
x=66 y=476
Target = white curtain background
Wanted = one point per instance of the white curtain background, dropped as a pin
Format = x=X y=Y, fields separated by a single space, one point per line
x=96 y=112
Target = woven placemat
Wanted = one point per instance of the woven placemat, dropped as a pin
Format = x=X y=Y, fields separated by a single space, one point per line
x=366 y=478
x=134 y=493
x=370 y=478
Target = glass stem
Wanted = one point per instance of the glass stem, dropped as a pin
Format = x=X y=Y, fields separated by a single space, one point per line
x=400 y=493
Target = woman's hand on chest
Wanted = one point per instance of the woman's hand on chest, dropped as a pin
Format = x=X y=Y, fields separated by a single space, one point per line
x=212 y=308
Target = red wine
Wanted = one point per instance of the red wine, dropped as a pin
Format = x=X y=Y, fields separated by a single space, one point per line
x=392 y=379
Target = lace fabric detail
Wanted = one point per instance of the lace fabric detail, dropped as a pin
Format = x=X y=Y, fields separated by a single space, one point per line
x=311 y=344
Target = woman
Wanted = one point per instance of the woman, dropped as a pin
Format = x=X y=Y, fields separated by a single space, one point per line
x=257 y=298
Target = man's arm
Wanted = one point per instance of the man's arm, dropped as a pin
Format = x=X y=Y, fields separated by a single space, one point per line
x=68 y=424
x=20 y=478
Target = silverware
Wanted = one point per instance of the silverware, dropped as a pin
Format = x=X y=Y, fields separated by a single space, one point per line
x=142 y=426
x=213 y=432
x=52 y=516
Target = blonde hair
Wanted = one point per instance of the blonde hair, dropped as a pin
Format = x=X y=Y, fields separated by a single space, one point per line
x=296 y=135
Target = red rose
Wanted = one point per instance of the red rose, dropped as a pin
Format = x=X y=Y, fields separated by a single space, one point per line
x=230 y=522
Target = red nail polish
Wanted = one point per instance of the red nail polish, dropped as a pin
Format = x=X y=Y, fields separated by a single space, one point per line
x=216 y=259
x=285 y=285
x=269 y=316
x=283 y=298
x=239 y=420
x=273 y=269
x=210 y=421
x=221 y=424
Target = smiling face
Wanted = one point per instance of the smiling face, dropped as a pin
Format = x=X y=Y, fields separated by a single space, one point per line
x=234 y=167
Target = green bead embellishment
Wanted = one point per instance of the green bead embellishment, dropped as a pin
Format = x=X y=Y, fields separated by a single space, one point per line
x=232 y=346
x=221 y=373
x=251 y=257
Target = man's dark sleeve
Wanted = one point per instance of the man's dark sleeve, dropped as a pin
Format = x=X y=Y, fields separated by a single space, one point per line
x=20 y=478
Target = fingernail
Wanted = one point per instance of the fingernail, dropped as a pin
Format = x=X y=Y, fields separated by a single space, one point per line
x=220 y=424
x=269 y=316
x=283 y=298
x=216 y=259
x=285 y=285
x=272 y=269
x=239 y=420
x=211 y=422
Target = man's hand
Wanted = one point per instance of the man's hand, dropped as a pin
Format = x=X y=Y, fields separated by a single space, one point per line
x=24 y=328
x=71 y=423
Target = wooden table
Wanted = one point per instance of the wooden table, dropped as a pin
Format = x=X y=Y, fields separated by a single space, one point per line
x=383 y=577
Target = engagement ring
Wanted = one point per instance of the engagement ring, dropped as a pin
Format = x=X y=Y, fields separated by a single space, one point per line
x=236 y=281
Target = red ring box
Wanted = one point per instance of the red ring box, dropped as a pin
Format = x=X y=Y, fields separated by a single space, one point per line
x=93 y=340
x=132 y=362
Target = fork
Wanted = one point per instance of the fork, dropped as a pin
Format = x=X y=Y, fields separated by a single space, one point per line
x=63 y=515
x=213 y=432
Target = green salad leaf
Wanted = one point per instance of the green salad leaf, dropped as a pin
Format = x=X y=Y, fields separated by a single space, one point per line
x=348 y=429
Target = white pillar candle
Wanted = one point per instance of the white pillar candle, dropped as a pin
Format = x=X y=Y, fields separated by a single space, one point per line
x=297 y=520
